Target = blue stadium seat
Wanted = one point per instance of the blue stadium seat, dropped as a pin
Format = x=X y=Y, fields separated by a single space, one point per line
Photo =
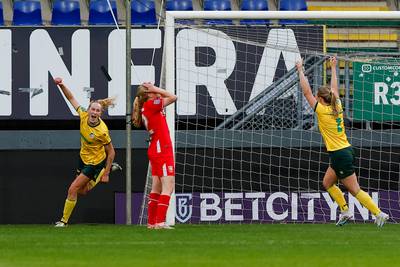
x=66 y=12
x=217 y=5
x=143 y=12
x=180 y=5
x=27 y=12
x=257 y=5
x=1 y=14
x=100 y=12
x=290 y=5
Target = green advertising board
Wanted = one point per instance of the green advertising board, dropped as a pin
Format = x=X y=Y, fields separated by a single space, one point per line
x=376 y=91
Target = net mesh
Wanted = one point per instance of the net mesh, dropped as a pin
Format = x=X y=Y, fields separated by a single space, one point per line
x=247 y=143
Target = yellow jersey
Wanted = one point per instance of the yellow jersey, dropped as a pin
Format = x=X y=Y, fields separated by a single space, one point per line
x=331 y=127
x=93 y=139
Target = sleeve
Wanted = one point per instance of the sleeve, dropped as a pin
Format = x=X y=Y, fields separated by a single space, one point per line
x=155 y=105
x=317 y=108
x=105 y=137
x=82 y=112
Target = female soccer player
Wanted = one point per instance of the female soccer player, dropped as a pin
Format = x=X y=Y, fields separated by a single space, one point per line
x=328 y=108
x=148 y=109
x=96 y=154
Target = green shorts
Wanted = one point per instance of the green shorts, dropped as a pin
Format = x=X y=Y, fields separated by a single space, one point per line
x=91 y=171
x=342 y=162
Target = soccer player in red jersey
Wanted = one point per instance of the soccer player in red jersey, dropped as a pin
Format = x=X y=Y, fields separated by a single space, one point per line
x=148 y=110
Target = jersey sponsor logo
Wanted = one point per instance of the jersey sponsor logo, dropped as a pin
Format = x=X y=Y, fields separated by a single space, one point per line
x=183 y=207
x=157 y=102
x=91 y=135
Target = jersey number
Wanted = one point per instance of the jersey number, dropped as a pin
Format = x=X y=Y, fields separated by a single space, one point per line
x=338 y=122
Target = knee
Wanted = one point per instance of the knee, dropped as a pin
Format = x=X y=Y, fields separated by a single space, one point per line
x=73 y=190
x=326 y=184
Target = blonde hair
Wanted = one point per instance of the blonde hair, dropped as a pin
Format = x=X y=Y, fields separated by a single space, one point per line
x=329 y=97
x=104 y=103
x=140 y=99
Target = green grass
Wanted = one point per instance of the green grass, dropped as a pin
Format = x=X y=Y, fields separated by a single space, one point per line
x=200 y=245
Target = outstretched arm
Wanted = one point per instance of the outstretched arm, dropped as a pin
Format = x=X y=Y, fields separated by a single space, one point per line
x=334 y=83
x=305 y=86
x=67 y=92
x=168 y=97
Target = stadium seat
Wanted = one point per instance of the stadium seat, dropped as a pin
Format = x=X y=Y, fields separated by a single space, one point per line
x=290 y=5
x=100 y=13
x=1 y=14
x=143 y=12
x=217 y=5
x=27 y=12
x=257 y=5
x=180 y=5
x=66 y=12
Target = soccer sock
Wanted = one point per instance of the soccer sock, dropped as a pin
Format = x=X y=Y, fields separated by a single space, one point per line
x=68 y=208
x=367 y=202
x=337 y=195
x=162 y=207
x=152 y=208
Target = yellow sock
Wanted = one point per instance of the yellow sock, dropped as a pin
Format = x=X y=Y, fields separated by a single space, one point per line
x=68 y=208
x=367 y=202
x=337 y=195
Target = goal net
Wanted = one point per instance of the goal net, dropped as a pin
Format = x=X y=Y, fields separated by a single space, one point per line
x=247 y=144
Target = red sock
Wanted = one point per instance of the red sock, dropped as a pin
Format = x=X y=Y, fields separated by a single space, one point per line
x=163 y=203
x=152 y=208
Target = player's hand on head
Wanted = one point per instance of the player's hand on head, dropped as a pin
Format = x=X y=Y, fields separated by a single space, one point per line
x=148 y=85
x=58 y=80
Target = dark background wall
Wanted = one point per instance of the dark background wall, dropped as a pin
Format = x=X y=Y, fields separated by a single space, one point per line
x=34 y=184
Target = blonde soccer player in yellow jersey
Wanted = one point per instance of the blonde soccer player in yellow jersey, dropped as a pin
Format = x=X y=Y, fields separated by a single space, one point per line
x=329 y=111
x=96 y=153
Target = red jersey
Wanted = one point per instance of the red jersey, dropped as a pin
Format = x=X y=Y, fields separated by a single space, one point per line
x=156 y=124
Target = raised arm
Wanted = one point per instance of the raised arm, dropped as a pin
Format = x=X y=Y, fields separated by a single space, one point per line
x=68 y=94
x=305 y=86
x=168 y=97
x=334 y=83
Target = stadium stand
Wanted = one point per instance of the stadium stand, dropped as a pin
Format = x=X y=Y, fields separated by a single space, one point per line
x=290 y=5
x=100 y=12
x=217 y=5
x=180 y=5
x=27 y=12
x=143 y=12
x=254 y=5
x=66 y=12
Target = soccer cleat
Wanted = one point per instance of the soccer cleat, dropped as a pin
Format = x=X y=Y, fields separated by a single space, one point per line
x=151 y=226
x=344 y=217
x=60 y=224
x=115 y=167
x=163 y=225
x=381 y=218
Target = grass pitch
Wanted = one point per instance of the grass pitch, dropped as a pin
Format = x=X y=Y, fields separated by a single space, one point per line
x=200 y=245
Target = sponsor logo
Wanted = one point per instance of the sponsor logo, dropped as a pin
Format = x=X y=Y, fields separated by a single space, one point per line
x=91 y=135
x=183 y=207
x=366 y=68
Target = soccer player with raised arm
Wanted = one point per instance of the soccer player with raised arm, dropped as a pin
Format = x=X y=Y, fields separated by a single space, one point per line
x=329 y=111
x=96 y=153
x=148 y=109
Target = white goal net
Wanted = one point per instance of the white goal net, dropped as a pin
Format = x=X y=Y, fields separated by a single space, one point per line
x=247 y=144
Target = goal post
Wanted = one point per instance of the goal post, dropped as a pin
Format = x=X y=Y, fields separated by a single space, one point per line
x=253 y=147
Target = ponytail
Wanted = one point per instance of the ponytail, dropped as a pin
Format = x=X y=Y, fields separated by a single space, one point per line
x=140 y=98
x=334 y=105
x=105 y=103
